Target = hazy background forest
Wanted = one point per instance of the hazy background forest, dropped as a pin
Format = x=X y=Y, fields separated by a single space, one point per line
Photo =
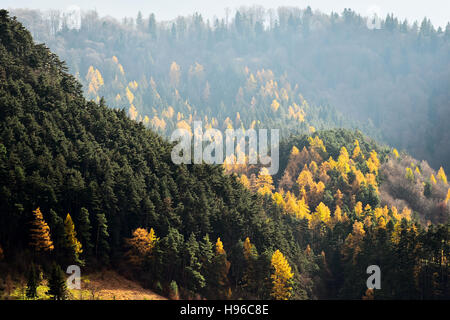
x=392 y=83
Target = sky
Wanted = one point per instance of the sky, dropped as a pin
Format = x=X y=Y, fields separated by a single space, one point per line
x=437 y=10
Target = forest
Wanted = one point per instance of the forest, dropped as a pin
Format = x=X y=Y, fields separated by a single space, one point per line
x=259 y=67
x=86 y=175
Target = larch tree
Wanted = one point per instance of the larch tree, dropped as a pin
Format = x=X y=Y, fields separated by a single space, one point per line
x=40 y=233
x=281 y=277
x=441 y=175
x=141 y=245
x=264 y=182
x=321 y=214
x=73 y=246
x=447 y=198
x=409 y=175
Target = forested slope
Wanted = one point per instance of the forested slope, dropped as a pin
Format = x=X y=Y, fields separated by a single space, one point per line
x=392 y=82
x=66 y=155
x=83 y=184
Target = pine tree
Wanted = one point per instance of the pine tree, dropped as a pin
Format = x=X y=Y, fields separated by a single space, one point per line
x=57 y=284
x=40 y=233
x=101 y=244
x=57 y=226
x=84 y=231
x=206 y=256
x=220 y=269
x=250 y=280
x=32 y=282
x=195 y=281
x=281 y=277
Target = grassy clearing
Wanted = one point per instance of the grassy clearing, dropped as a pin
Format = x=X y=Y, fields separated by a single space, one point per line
x=106 y=285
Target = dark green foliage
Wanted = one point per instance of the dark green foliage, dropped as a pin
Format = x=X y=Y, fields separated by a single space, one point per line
x=102 y=246
x=57 y=283
x=32 y=282
x=65 y=154
x=84 y=231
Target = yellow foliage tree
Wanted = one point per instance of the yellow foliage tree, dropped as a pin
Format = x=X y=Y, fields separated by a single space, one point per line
x=281 y=277
x=219 y=247
x=395 y=152
x=40 y=233
x=130 y=95
x=141 y=245
x=316 y=143
x=174 y=74
x=409 y=174
x=353 y=241
x=359 y=208
x=433 y=179
x=264 y=183
x=71 y=236
x=356 y=150
x=441 y=175
x=322 y=214
x=275 y=105
x=343 y=164
x=305 y=179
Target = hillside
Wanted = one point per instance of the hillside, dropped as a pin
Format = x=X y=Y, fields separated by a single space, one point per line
x=392 y=83
x=66 y=155
x=82 y=183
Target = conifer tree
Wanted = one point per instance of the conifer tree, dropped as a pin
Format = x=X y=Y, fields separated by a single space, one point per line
x=250 y=279
x=141 y=245
x=441 y=175
x=56 y=224
x=57 y=284
x=281 y=277
x=84 y=231
x=73 y=246
x=101 y=244
x=220 y=268
x=195 y=281
x=32 y=282
x=40 y=233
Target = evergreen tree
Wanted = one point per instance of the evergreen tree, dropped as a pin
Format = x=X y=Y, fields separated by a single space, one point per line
x=32 y=282
x=57 y=284
x=84 y=232
x=102 y=244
